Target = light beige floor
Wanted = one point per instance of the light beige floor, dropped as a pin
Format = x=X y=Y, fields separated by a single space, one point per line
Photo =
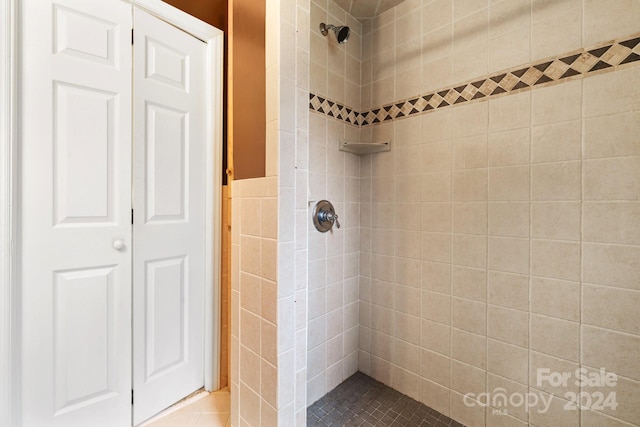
x=203 y=410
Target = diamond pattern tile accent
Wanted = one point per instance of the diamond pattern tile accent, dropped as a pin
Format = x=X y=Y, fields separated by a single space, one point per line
x=601 y=58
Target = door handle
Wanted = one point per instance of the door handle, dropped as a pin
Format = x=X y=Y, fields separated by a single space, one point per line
x=118 y=245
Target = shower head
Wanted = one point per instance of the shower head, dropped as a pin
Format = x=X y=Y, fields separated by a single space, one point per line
x=342 y=32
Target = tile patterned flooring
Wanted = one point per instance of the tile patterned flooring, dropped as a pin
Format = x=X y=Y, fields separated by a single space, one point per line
x=363 y=401
x=201 y=410
x=358 y=401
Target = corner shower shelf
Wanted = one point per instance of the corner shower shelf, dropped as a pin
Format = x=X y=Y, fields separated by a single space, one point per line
x=364 y=147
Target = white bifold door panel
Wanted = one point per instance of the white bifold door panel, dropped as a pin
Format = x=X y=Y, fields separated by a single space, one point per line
x=75 y=175
x=110 y=304
x=169 y=220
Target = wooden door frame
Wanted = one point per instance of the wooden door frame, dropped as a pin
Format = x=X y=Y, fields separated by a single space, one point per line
x=10 y=313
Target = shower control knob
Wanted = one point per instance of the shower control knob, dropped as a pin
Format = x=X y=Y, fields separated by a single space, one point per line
x=324 y=216
x=333 y=218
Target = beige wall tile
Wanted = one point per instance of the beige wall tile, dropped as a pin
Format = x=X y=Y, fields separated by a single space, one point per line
x=470 y=283
x=469 y=60
x=506 y=16
x=250 y=293
x=556 y=298
x=436 y=217
x=408 y=272
x=250 y=209
x=508 y=49
x=615 y=178
x=508 y=325
x=509 y=183
x=469 y=250
x=408 y=214
x=611 y=308
x=470 y=218
x=436 y=187
x=470 y=152
x=381 y=294
x=469 y=315
x=436 y=14
x=249 y=368
x=510 y=112
x=435 y=367
x=436 y=307
x=436 y=276
x=250 y=408
x=597 y=419
x=436 y=157
x=617 y=222
x=382 y=345
x=472 y=416
x=406 y=382
x=556 y=181
x=509 y=219
x=497 y=384
x=508 y=254
x=462 y=8
x=436 y=247
x=555 y=259
x=509 y=148
x=557 y=103
x=269 y=383
x=606 y=20
x=475 y=117
x=467 y=379
x=555 y=337
x=616 y=352
x=612 y=92
x=556 y=220
x=612 y=135
x=556 y=414
x=435 y=396
x=627 y=395
x=470 y=185
x=508 y=290
x=469 y=348
x=558 y=33
x=407 y=160
x=612 y=265
x=408 y=300
x=437 y=74
x=542 y=366
x=382 y=319
x=437 y=48
x=436 y=337
x=556 y=142
x=250 y=255
x=503 y=420
x=508 y=361
x=250 y=331
x=406 y=355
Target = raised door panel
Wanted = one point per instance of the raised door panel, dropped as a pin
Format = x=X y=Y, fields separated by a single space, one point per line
x=84 y=158
x=167 y=151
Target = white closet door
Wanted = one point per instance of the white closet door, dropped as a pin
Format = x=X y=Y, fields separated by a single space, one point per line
x=169 y=214
x=75 y=212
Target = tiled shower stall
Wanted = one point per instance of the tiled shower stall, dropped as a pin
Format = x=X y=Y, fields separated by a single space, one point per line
x=497 y=241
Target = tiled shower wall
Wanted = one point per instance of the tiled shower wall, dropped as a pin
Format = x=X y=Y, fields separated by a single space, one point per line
x=333 y=175
x=501 y=236
x=269 y=253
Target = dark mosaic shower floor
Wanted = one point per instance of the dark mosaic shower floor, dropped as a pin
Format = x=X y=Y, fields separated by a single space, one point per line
x=362 y=401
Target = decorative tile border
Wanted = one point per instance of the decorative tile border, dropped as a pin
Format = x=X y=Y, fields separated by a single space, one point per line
x=605 y=57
